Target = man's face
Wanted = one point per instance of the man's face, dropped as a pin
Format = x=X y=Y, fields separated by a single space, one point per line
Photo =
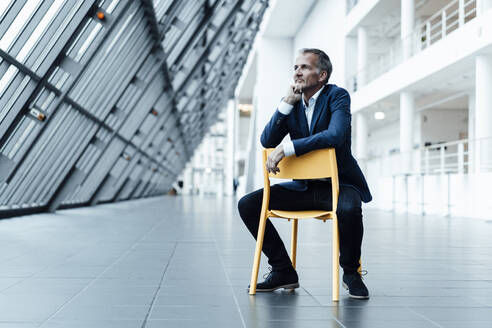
x=305 y=71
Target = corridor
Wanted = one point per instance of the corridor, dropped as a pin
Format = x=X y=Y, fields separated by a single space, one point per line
x=186 y=262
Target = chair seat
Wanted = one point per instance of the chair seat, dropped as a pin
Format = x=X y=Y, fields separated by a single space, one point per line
x=302 y=214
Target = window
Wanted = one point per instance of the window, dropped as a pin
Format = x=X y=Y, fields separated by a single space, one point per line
x=39 y=30
x=19 y=23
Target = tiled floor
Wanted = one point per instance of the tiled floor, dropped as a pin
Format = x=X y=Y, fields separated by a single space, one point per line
x=186 y=261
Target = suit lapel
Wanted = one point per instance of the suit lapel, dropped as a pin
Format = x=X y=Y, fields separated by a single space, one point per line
x=320 y=104
x=318 y=108
x=301 y=118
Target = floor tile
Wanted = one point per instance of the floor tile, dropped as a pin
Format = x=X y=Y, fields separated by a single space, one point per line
x=186 y=262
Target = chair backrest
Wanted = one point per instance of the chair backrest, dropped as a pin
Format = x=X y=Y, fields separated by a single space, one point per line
x=316 y=164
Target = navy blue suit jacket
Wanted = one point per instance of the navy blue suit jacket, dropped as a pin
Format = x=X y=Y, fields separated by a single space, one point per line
x=330 y=127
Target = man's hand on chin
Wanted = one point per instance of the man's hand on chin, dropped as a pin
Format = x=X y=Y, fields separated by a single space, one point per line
x=293 y=94
x=274 y=158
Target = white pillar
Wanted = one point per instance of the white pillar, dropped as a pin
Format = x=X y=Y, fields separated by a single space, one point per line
x=362 y=46
x=407 y=26
x=461 y=12
x=407 y=109
x=230 y=147
x=250 y=167
x=274 y=73
x=417 y=139
x=483 y=6
x=471 y=132
x=483 y=112
x=236 y=140
x=361 y=136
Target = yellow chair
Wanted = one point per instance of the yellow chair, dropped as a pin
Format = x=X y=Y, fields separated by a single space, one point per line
x=313 y=165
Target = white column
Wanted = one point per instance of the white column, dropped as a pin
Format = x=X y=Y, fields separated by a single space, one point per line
x=230 y=147
x=483 y=112
x=251 y=150
x=407 y=26
x=361 y=136
x=471 y=132
x=274 y=73
x=362 y=45
x=483 y=6
x=407 y=109
x=236 y=140
x=461 y=12
x=417 y=139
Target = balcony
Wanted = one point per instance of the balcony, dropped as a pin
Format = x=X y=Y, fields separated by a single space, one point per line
x=455 y=157
x=433 y=29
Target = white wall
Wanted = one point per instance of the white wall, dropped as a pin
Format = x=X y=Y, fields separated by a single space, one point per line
x=450 y=123
x=384 y=139
x=350 y=61
x=358 y=13
x=274 y=75
x=243 y=132
x=323 y=29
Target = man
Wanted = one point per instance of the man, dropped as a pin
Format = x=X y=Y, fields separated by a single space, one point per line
x=316 y=115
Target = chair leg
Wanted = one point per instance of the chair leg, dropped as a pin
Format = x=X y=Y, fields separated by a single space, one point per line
x=335 y=264
x=259 y=246
x=293 y=244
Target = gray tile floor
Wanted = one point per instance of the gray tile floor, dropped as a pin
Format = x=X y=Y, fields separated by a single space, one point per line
x=186 y=261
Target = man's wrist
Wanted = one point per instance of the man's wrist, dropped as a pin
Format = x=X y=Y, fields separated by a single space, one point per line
x=285 y=108
x=288 y=148
x=281 y=150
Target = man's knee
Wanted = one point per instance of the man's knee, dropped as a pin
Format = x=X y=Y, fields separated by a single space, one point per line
x=242 y=205
x=349 y=205
x=349 y=211
x=248 y=205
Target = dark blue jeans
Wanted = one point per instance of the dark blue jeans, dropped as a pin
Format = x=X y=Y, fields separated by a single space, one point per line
x=316 y=197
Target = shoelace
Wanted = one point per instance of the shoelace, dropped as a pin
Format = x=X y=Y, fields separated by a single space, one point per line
x=266 y=275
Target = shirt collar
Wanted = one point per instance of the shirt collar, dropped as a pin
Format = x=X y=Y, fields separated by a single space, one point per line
x=314 y=97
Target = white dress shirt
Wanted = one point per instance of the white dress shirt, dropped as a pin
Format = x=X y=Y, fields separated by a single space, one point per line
x=286 y=108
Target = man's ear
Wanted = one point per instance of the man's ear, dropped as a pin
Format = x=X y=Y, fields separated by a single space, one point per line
x=322 y=76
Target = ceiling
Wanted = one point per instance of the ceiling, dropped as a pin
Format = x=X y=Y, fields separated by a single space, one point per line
x=287 y=16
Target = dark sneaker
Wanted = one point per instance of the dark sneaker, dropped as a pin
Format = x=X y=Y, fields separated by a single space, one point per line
x=353 y=282
x=278 y=279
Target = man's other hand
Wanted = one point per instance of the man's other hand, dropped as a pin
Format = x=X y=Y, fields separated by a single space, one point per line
x=274 y=158
x=294 y=93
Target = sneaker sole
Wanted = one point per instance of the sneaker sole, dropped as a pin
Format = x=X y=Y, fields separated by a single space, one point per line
x=287 y=287
x=354 y=296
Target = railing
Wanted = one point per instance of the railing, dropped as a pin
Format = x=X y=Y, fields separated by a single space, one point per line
x=435 y=28
x=448 y=19
x=461 y=156
x=450 y=157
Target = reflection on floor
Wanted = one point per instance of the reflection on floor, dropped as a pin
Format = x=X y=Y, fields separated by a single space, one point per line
x=186 y=261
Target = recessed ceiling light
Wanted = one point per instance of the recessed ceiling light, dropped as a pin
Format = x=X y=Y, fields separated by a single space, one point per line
x=379 y=115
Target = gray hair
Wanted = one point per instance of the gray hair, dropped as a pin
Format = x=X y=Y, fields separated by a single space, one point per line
x=323 y=64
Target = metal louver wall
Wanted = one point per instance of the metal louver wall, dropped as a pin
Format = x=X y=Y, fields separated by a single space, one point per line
x=106 y=100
